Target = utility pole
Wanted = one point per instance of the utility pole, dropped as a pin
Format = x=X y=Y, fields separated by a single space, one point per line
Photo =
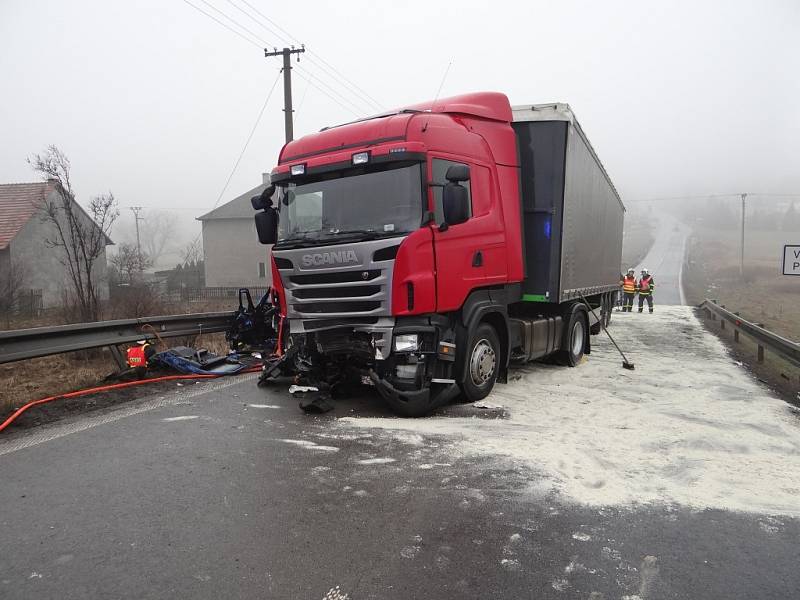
x=287 y=84
x=741 y=243
x=135 y=210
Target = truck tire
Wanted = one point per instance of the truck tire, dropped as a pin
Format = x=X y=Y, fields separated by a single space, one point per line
x=481 y=363
x=574 y=343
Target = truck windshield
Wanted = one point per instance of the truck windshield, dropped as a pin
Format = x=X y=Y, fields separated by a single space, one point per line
x=364 y=206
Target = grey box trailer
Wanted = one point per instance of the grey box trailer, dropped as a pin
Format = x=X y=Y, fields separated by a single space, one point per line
x=572 y=214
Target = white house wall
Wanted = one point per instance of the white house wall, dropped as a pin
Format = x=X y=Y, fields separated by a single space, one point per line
x=232 y=254
x=43 y=264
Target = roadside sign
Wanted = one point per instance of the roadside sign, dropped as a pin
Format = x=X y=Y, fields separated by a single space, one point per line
x=791 y=260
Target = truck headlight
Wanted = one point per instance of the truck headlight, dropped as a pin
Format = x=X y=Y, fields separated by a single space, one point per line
x=408 y=342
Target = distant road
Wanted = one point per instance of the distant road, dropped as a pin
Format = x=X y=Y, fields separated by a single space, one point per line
x=665 y=260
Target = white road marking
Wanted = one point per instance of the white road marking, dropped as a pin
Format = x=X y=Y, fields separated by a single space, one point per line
x=181 y=418
x=680 y=272
x=263 y=406
x=309 y=445
x=375 y=461
x=47 y=433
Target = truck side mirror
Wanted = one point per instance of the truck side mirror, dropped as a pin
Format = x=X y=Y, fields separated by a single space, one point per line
x=455 y=203
x=267 y=226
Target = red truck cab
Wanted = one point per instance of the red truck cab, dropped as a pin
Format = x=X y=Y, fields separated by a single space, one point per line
x=399 y=242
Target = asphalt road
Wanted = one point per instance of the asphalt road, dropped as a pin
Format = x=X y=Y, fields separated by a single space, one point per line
x=203 y=495
x=665 y=260
x=678 y=480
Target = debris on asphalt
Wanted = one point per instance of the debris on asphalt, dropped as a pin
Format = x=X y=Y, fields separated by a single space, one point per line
x=486 y=405
x=293 y=389
x=317 y=405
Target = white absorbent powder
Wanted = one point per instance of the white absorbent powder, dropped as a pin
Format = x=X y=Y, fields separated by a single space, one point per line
x=688 y=427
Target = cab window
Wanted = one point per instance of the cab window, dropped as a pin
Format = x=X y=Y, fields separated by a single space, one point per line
x=439 y=168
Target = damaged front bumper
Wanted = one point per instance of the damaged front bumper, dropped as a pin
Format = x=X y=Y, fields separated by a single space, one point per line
x=412 y=365
x=414 y=402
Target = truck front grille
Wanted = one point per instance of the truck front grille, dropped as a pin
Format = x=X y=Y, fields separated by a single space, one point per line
x=351 y=291
x=360 y=289
x=317 y=308
x=336 y=277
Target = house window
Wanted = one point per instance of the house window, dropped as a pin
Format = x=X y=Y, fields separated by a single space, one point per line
x=262 y=270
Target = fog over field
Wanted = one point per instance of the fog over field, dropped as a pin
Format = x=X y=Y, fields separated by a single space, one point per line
x=154 y=100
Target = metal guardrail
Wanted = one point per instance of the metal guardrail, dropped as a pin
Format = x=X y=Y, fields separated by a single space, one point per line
x=764 y=339
x=22 y=344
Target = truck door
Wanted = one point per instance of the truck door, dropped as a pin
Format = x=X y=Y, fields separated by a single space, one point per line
x=471 y=254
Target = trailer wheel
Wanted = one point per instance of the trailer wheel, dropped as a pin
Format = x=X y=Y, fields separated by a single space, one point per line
x=611 y=298
x=482 y=363
x=574 y=343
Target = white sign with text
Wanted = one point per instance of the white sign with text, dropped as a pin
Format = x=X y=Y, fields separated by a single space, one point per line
x=791 y=260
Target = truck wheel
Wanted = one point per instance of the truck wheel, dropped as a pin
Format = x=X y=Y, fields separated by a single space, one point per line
x=574 y=343
x=482 y=363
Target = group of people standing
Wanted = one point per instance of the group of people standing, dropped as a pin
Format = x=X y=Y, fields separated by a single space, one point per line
x=645 y=286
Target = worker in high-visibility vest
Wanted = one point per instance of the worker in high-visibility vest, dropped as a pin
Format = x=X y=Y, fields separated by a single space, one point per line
x=629 y=285
x=646 y=287
x=138 y=355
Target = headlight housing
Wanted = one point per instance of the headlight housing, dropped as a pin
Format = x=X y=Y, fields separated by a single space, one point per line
x=407 y=342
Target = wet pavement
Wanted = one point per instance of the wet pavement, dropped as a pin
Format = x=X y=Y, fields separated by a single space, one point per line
x=677 y=480
x=226 y=489
x=665 y=261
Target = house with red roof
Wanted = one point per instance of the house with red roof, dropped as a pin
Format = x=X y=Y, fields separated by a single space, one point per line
x=24 y=235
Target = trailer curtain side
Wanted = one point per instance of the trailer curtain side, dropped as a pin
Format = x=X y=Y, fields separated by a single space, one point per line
x=572 y=214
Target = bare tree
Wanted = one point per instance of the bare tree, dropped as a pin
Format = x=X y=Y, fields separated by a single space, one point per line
x=80 y=237
x=129 y=263
x=157 y=233
x=12 y=278
x=192 y=253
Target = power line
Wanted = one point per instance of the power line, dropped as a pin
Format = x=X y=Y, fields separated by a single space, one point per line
x=327 y=90
x=244 y=148
x=307 y=77
x=355 y=109
x=236 y=23
x=247 y=143
x=353 y=88
x=245 y=38
x=316 y=87
x=376 y=103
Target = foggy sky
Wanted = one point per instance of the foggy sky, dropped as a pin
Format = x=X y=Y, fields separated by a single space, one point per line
x=153 y=100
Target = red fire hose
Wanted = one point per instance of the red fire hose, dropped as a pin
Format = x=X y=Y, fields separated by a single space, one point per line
x=114 y=386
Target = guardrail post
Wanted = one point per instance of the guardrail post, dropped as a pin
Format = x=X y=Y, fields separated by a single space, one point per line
x=118 y=358
x=760 y=353
x=736 y=335
x=722 y=323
